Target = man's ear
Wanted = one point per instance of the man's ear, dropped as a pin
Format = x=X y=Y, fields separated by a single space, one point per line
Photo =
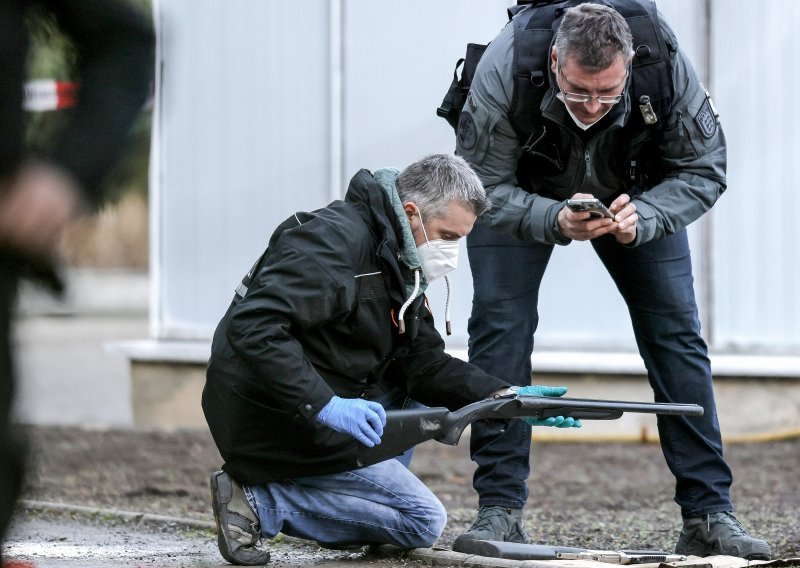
x=554 y=60
x=411 y=211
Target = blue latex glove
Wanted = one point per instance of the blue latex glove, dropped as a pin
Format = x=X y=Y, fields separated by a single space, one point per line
x=554 y=421
x=362 y=419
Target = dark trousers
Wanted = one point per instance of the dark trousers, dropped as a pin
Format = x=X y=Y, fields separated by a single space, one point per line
x=11 y=446
x=656 y=282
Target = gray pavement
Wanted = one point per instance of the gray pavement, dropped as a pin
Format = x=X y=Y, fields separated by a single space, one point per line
x=125 y=540
x=56 y=536
x=68 y=377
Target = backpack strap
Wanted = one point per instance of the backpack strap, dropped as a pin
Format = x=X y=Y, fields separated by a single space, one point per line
x=456 y=95
x=534 y=28
x=651 y=75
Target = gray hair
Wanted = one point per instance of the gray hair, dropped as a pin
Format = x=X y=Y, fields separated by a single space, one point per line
x=436 y=180
x=595 y=35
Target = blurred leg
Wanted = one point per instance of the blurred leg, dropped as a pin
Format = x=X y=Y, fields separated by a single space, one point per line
x=11 y=446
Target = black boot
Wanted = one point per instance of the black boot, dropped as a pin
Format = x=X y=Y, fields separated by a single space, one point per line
x=492 y=523
x=720 y=534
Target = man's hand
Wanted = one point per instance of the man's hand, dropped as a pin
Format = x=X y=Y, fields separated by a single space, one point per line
x=35 y=210
x=625 y=217
x=580 y=226
x=362 y=419
x=555 y=421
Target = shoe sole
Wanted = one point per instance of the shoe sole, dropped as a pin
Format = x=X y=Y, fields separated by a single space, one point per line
x=703 y=551
x=217 y=497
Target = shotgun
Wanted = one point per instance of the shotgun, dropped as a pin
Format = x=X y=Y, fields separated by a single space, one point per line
x=406 y=428
x=520 y=551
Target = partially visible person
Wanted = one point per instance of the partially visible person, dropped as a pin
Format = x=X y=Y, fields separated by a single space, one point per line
x=328 y=329
x=39 y=194
x=637 y=130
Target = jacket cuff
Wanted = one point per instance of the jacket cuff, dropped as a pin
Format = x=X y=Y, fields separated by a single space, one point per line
x=646 y=225
x=320 y=395
x=544 y=221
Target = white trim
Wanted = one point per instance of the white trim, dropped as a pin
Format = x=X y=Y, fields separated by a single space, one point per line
x=336 y=96
x=627 y=363
x=568 y=362
x=164 y=351
x=155 y=178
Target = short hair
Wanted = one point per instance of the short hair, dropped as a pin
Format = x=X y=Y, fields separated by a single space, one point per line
x=595 y=35
x=436 y=180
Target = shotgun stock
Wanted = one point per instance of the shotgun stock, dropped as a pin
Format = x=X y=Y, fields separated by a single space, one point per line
x=406 y=428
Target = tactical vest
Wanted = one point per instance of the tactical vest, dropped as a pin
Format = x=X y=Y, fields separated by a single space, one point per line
x=535 y=23
x=534 y=29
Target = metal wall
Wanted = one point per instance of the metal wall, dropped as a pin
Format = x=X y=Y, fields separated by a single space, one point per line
x=264 y=109
x=756 y=243
x=242 y=139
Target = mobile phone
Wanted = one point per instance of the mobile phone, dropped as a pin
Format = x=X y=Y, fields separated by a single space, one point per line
x=591 y=204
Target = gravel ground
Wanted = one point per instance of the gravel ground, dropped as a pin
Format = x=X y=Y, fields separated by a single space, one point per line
x=609 y=496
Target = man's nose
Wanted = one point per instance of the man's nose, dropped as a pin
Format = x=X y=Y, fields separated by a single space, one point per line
x=592 y=105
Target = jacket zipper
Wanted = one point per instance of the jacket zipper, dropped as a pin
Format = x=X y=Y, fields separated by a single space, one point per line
x=588 y=160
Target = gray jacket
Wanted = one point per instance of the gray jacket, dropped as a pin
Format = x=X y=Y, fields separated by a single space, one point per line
x=691 y=153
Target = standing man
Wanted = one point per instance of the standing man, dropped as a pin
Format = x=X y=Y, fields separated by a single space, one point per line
x=587 y=115
x=40 y=194
x=328 y=328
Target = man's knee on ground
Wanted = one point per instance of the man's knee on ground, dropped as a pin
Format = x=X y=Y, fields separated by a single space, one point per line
x=425 y=525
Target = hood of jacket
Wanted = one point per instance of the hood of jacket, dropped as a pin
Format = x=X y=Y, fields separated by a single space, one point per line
x=375 y=198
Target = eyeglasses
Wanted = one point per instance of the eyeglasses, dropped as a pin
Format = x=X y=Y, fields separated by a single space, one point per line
x=582 y=98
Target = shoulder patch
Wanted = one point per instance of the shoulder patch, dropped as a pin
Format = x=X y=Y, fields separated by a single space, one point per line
x=706 y=119
x=467 y=133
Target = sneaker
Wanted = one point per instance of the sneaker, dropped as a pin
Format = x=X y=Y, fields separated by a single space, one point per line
x=492 y=523
x=238 y=529
x=720 y=534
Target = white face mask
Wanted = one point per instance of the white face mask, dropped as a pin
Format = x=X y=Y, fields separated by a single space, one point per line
x=437 y=257
x=581 y=125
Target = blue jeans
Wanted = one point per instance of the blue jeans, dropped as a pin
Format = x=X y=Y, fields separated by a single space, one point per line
x=380 y=504
x=655 y=280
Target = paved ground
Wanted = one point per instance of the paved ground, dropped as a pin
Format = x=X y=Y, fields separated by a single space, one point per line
x=609 y=495
x=100 y=540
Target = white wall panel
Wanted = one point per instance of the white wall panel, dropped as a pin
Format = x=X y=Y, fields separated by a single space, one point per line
x=398 y=62
x=756 y=243
x=242 y=143
x=265 y=108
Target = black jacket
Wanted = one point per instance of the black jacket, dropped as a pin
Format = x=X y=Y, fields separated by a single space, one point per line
x=318 y=319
